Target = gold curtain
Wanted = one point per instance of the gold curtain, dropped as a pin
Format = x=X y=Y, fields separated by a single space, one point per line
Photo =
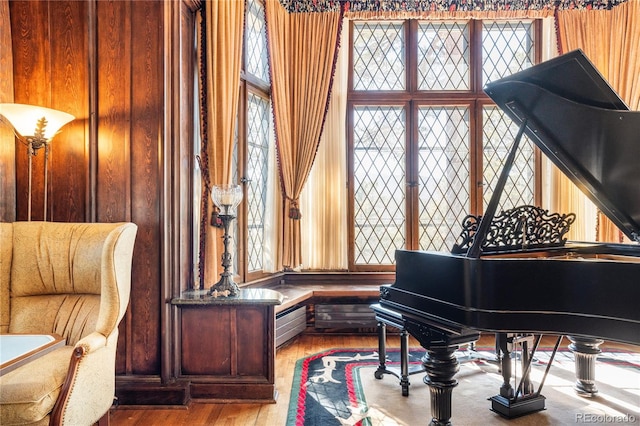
x=324 y=197
x=302 y=49
x=223 y=50
x=611 y=40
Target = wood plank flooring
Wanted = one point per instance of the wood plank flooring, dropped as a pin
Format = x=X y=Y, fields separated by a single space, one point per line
x=266 y=414
x=248 y=414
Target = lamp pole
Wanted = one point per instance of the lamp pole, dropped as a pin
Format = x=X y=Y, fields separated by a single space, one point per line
x=226 y=282
x=226 y=198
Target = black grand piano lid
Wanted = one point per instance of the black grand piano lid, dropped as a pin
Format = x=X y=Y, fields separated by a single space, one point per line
x=579 y=122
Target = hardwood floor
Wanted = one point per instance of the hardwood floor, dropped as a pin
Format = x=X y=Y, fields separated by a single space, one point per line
x=248 y=414
x=266 y=414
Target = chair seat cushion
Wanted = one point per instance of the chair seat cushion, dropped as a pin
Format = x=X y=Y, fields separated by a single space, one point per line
x=28 y=393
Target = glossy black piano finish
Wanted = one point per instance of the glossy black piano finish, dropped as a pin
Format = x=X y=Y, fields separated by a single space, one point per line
x=566 y=291
x=587 y=291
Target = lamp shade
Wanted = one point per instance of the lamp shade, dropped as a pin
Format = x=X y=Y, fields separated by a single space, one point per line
x=227 y=198
x=24 y=119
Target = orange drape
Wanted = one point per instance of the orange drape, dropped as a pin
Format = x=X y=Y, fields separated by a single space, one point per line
x=223 y=51
x=611 y=40
x=302 y=49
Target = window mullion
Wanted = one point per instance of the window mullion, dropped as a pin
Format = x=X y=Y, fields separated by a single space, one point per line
x=412 y=179
x=241 y=147
x=411 y=54
x=476 y=179
x=475 y=55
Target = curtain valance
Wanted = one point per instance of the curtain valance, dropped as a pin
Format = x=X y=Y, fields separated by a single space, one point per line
x=358 y=6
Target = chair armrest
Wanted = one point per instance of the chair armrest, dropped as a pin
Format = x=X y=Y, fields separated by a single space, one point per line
x=89 y=383
x=91 y=343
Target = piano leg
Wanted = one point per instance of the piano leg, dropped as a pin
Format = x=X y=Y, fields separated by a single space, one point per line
x=504 y=344
x=585 y=352
x=441 y=364
x=382 y=350
x=511 y=402
x=404 y=362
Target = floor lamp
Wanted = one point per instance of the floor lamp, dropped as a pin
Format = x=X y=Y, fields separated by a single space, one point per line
x=35 y=126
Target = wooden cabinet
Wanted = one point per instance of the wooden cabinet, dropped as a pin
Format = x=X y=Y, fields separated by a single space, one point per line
x=226 y=346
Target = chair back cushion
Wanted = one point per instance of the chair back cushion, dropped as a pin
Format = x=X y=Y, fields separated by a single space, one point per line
x=58 y=273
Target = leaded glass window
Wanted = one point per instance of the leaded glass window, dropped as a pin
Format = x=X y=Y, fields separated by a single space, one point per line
x=256 y=60
x=443 y=169
x=379 y=56
x=426 y=143
x=379 y=176
x=443 y=56
x=258 y=113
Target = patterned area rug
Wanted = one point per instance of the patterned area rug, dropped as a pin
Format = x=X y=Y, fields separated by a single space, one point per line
x=338 y=387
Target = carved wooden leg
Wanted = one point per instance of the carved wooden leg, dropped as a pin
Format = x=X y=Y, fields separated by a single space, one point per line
x=585 y=352
x=382 y=350
x=441 y=365
x=404 y=362
x=503 y=343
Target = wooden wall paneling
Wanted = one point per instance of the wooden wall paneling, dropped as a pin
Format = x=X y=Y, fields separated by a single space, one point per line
x=130 y=115
x=147 y=181
x=69 y=87
x=171 y=190
x=127 y=76
x=125 y=144
x=227 y=347
x=185 y=123
x=7 y=139
x=31 y=77
x=207 y=341
x=181 y=40
x=114 y=111
x=252 y=341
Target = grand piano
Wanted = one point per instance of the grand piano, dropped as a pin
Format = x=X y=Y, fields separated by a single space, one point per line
x=514 y=273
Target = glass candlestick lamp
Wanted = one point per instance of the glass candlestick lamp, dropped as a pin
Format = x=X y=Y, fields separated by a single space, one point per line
x=226 y=198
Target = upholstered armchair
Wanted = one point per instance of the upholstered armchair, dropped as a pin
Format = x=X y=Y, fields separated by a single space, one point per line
x=73 y=280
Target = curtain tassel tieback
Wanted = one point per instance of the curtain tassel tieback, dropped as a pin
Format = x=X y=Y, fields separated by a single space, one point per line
x=294 y=211
x=215 y=218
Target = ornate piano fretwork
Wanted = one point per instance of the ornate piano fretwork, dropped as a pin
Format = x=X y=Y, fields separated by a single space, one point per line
x=516 y=229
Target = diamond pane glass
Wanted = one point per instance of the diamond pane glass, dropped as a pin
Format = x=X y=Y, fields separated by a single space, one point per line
x=258 y=114
x=443 y=56
x=499 y=133
x=379 y=183
x=507 y=47
x=443 y=169
x=378 y=56
x=256 y=41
